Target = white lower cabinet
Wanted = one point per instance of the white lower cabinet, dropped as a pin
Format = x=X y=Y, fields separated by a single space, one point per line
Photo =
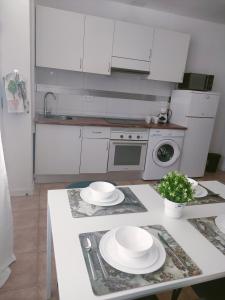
x=58 y=149
x=94 y=156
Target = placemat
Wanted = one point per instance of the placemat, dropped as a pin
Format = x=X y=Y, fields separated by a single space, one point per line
x=208 y=228
x=120 y=281
x=80 y=208
x=209 y=199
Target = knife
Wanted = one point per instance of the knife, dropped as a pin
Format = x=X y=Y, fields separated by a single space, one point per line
x=105 y=273
x=172 y=251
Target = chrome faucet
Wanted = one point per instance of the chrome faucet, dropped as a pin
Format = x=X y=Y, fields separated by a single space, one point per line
x=46 y=102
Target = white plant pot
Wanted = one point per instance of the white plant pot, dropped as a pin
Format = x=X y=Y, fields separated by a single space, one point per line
x=172 y=209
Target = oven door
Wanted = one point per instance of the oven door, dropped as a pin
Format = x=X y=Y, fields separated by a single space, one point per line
x=127 y=155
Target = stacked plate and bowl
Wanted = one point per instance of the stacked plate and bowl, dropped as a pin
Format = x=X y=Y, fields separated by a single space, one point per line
x=199 y=191
x=102 y=193
x=132 y=250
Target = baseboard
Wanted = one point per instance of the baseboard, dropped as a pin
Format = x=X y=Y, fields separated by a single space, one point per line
x=22 y=192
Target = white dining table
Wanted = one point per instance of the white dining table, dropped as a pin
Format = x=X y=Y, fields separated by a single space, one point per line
x=63 y=233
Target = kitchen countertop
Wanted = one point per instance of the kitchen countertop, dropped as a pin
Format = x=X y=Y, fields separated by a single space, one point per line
x=98 y=121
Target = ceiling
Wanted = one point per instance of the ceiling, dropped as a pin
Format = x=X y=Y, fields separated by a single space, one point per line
x=210 y=10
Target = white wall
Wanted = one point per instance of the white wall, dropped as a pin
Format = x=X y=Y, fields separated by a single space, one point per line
x=207 y=49
x=17 y=129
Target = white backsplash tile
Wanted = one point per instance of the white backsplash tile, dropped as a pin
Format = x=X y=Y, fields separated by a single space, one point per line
x=100 y=106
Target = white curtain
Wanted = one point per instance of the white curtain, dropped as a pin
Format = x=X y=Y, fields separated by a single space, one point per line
x=6 y=223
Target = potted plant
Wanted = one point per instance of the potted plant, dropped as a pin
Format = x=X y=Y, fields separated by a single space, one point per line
x=176 y=191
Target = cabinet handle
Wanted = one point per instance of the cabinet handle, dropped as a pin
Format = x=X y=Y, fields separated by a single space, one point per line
x=81 y=61
x=109 y=67
x=80 y=133
x=150 y=54
x=97 y=132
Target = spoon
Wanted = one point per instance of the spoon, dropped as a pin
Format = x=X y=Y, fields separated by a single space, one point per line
x=87 y=247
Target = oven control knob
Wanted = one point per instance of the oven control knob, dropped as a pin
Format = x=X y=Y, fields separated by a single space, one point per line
x=130 y=136
x=138 y=137
x=121 y=136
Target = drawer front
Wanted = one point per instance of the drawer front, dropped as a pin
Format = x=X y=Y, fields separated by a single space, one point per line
x=130 y=64
x=96 y=132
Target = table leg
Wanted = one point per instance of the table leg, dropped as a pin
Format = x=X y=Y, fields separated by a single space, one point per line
x=176 y=294
x=49 y=256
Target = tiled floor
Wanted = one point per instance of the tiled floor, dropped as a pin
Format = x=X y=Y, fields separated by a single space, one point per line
x=27 y=281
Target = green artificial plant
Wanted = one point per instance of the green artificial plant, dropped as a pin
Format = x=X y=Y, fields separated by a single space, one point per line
x=176 y=188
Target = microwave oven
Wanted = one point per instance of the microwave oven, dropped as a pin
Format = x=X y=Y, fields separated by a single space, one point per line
x=196 y=82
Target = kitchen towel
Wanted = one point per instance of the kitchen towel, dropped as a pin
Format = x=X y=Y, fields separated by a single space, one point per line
x=15 y=92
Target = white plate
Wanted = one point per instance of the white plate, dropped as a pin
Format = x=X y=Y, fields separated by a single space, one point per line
x=220 y=222
x=110 y=254
x=87 y=196
x=200 y=192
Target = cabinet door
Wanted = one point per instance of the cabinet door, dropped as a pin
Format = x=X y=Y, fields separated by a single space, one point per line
x=58 y=149
x=98 y=42
x=94 y=156
x=132 y=41
x=169 y=55
x=59 y=38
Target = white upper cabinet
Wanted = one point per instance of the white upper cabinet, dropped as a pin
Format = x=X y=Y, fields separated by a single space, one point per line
x=98 y=42
x=169 y=55
x=71 y=41
x=132 y=41
x=59 y=39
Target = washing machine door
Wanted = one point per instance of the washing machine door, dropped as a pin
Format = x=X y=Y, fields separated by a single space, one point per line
x=166 y=153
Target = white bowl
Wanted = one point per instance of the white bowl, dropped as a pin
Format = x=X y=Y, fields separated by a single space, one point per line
x=101 y=190
x=133 y=241
x=193 y=183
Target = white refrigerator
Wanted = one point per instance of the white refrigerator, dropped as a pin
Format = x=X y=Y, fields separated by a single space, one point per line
x=196 y=111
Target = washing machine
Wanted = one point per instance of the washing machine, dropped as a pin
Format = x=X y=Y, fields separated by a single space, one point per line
x=163 y=153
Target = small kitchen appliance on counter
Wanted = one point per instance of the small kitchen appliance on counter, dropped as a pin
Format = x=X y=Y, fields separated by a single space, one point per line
x=164 y=115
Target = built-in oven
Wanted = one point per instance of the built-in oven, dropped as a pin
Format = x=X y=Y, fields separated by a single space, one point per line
x=127 y=150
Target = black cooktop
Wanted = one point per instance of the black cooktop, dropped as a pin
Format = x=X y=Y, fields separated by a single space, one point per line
x=124 y=121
